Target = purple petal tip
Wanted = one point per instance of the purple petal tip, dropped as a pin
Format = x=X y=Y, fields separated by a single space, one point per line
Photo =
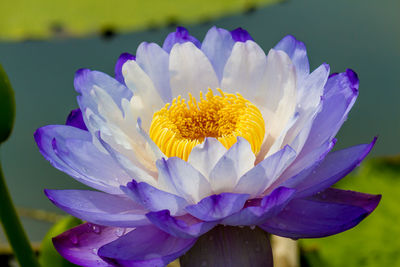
x=241 y=35
x=353 y=78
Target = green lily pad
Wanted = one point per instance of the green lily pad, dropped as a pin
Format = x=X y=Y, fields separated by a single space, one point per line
x=27 y=19
x=7 y=106
x=374 y=242
x=49 y=257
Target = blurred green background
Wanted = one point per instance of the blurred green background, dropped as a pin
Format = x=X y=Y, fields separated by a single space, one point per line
x=360 y=34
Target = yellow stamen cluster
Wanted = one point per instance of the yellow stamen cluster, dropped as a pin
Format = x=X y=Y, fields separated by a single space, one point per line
x=181 y=125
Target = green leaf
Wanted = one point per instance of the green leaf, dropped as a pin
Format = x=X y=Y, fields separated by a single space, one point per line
x=374 y=242
x=45 y=18
x=7 y=106
x=49 y=257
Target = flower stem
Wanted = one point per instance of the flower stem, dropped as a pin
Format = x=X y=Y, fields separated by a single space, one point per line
x=230 y=246
x=13 y=228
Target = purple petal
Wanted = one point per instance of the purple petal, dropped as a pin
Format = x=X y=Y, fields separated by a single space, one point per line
x=297 y=52
x=75 y=119
x=238 y=160
x=71 y=150
x=79 y=245
x=145 y=246
x=340 y=93
x=154 y=199
x=216 y=207
x=330 y=212
x=255 y=181
x=241 y=35
x=86 y=79
x=180 y=178
x=217 y=46
x=185 y=226
x=118 y=66
x=256 y=212
x=180 y=36
x=333 y=168
x=99 y=208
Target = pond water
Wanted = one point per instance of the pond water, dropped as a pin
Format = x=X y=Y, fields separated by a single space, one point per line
x=360 y=34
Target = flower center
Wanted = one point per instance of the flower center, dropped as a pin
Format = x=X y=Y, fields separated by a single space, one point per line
x=179 y=126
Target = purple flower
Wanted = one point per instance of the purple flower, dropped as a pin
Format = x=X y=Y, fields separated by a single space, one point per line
x=193 y=135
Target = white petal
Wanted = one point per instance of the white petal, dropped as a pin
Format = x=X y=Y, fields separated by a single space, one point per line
x=203 y=157
x=233 y=164
x=146 y=99
x=178 y=177
x=279 y=85
x=154 y=61
x=190 y=71
x=255 y=181
x=244 y=71
x=308 y=105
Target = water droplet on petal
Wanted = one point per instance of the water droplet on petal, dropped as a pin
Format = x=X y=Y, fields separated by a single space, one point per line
x=120 y=232
x=96 y=229
x=94 y=251
x=74 y=239
x=252 y=227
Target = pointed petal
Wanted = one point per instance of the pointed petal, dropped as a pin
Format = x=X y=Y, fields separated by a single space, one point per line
x=79 y=245
x=334 y=167
x=71 y=150
x=154 y=199
x=178 y=177
x=145 y=246
x=147 y=99
x=256 y=212
x=340 y=93
x=244 y=71
x=330 y=212
x=154 y=61
x=129 y=162
x=297 y=52
x=255 y=181
x=304 y=166
x=241 y=35
x=217 y=46
x=180 y=36
x=75 y=119
x=203 y=157
x=277 y=94
x=216 y=207
x=118 y=67
x=84 y=82
x=185 y=226
x=233 y=164
x=99 y=208
x=190 y=71
x=309 y=103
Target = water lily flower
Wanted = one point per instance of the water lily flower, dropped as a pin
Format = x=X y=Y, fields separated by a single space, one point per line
x=192 y=135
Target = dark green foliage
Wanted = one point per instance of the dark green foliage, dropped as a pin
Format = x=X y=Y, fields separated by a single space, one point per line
x=7 y=106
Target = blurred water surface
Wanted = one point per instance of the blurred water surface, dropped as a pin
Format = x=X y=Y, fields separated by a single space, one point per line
x=358 y=34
